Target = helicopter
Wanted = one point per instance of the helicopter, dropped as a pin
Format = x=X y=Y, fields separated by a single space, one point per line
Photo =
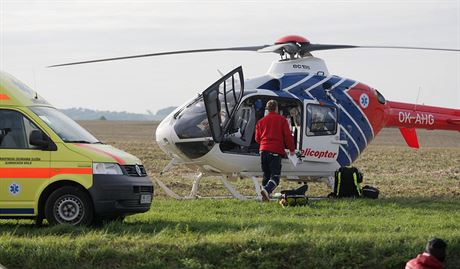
x=332 y=119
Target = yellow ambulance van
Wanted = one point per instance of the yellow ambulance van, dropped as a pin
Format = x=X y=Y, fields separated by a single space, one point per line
x=50 y=167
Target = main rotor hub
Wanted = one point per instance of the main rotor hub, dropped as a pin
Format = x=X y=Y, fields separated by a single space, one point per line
x=292 y=39
x=289 y=47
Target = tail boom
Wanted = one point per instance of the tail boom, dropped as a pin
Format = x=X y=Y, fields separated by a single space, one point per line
x=405 y=115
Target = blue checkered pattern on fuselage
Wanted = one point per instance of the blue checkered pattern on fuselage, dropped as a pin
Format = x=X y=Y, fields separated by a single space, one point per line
x=356 y=130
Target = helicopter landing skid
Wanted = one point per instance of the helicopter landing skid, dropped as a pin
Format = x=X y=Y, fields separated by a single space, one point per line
x=167 y=190
x=196 y=185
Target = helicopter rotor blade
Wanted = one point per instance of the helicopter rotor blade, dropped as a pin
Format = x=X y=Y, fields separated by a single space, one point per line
x=249 y=48
x=314 y=47
x=290 y=47
x=278 y=47
x=308 y=47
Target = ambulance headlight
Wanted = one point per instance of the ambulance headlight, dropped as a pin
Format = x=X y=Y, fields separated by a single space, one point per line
x=106 y=169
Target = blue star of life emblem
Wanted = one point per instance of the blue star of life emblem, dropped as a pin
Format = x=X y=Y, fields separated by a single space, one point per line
x=364 y=100
x=14 y=188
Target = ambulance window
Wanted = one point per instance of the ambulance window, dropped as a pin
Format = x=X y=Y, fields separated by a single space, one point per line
x=321 y=120
x=15 y=130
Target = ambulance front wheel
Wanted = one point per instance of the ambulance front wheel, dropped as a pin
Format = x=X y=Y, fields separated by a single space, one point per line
x=69 y=205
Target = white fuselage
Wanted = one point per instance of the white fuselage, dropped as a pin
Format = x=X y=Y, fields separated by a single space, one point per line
x=320 y=152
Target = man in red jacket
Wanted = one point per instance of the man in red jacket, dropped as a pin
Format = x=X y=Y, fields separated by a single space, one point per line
x=273 y=136
x=432 y=258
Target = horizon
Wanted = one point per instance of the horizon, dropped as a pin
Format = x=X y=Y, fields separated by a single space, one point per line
x=120 y=111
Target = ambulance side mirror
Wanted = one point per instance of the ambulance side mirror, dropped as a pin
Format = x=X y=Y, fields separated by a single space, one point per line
x=42 y=141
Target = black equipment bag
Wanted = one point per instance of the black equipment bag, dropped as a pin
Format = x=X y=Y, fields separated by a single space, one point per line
x=299 y=191
x=370 y=192
x=346 y=182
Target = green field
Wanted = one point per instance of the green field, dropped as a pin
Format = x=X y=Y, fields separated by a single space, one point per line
x=235 y=234
x=420 y=200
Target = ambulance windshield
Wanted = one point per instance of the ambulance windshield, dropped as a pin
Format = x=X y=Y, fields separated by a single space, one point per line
x=67 y=129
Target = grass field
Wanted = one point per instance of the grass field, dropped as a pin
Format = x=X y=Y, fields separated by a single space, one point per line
x=420 y=199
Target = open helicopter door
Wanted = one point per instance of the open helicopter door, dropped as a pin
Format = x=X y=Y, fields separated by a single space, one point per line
x=321 y=138
x=221 y=100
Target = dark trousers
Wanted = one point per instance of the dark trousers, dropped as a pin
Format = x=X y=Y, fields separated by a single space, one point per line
x=271 y=166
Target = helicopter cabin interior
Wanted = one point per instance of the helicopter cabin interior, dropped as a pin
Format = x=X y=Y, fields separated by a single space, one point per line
x=240 y=136
x=232 y=116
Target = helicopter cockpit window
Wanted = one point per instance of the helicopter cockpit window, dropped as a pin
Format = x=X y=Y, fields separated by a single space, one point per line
x=221 y=99
x=380 y=98
x=192 y=121
x=321 y=120
x=229 y=94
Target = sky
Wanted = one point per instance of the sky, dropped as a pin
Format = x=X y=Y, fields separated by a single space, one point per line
x=36 y=34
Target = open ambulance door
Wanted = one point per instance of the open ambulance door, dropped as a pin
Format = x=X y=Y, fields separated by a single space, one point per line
x=221 y=100
x=321 y=138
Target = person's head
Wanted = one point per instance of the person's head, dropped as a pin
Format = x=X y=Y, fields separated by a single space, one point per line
x=272 y=106
x=437 y=247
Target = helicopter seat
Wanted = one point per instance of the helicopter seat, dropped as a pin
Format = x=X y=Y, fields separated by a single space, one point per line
x=246 y=125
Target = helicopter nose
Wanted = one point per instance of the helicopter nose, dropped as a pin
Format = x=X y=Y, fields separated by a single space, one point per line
x=185 y=138
x=164 y=136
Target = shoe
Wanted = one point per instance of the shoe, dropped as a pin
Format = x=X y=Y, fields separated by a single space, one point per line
x=265 y=195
